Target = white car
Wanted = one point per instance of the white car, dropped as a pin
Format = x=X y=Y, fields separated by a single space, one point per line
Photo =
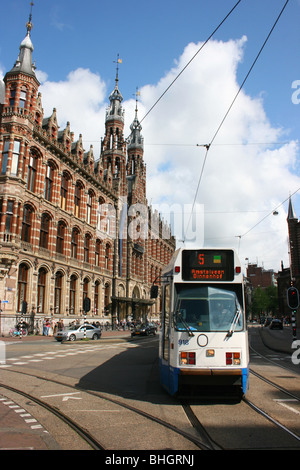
x=77 y=332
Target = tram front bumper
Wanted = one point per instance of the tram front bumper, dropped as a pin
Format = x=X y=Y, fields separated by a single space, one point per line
x=210 y=372
x=211 y=377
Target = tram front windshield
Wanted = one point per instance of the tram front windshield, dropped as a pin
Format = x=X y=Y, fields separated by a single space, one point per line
x=203 y=308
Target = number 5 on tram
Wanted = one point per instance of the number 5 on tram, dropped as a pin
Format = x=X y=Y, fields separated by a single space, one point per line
x=204 y=340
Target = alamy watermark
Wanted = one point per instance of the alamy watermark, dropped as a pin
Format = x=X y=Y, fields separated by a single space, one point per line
x=161 y=221
x=296 y=93
x=296 y=354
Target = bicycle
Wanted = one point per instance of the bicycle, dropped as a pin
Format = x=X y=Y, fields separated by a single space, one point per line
x=18 y=331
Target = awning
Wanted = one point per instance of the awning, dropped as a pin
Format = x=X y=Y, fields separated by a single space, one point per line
x=134 y=300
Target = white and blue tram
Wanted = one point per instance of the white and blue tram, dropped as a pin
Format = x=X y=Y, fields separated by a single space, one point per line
x=204 y=340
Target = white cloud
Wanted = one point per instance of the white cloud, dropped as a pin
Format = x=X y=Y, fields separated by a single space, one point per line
x=241 y=183
x=243 y=179
x=79 y=99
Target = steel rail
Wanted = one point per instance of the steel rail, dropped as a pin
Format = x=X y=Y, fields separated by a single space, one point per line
x=190 y=437
x=82 y=432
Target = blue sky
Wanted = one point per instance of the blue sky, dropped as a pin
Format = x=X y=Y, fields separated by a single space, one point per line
x=155 y=40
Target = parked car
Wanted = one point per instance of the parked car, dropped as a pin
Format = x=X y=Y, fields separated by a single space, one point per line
x=276 y=324
x=144 y=329
x=77 y=332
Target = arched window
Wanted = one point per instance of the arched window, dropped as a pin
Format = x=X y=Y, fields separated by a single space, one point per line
x=97 y=252
x=72 y=296
x=106 y=299
x=41 y=290
x=22 y=285
x=44 y=232
x=87 y=242
x=27 y=224
x=77 y=199
x=89 y=207
x=64 y=190
x=86 y=283
x=32 y=171
x=74 y=243
x=99 y=212
x=107 y=255
x=49 y=182
x=58 y=293
x=60 y=237
x=97 y=297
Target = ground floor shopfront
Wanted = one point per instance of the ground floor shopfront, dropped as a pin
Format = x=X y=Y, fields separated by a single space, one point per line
x=35 y=291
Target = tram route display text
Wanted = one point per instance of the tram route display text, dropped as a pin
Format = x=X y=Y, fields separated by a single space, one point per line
x=208 y=274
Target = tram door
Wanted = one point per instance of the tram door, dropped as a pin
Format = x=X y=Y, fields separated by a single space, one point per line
x=166 y=323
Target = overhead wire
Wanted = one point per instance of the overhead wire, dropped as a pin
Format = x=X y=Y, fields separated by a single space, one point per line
x=266 y=216
x=185 y=67
x=207 y=146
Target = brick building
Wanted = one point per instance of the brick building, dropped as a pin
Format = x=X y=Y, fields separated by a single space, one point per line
x=260 y=277
x=72 y=225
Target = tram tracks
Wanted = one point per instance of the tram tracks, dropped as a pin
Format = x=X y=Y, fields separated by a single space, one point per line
x=276 y=386
x=200 y=434
x=201 y=437
x=82 y=432
x=202 y=441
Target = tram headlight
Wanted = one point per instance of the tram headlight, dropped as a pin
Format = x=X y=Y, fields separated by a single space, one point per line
x=187 y=358
x=210 y=353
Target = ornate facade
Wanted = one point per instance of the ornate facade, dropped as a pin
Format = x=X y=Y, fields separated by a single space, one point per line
x=73 y=226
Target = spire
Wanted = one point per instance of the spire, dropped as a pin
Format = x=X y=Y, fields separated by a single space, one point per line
x=24 y=62
x=115 y=110
x=135 y=140
x=291 y=212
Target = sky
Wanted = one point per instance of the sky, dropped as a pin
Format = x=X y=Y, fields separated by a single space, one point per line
x=253 y=163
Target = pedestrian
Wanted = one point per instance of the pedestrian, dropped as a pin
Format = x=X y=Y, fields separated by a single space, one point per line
x=47 y=327
x=44 y=327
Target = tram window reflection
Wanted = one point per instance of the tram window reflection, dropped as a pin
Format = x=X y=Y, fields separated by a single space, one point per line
x=207 y=309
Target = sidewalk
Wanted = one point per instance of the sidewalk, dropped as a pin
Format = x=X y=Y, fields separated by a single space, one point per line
x=115 y=334
x=279 y=340
x=18 y=429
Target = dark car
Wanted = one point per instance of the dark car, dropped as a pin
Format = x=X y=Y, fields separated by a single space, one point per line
x=276 y=324
x=268 y=321
x=144 y=329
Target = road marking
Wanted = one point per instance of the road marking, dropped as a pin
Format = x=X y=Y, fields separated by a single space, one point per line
x=31 y=420
x=282 y=403
x=66 y=396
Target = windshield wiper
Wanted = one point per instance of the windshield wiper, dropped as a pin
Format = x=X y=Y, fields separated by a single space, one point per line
x=234 y=322
x=178 y=314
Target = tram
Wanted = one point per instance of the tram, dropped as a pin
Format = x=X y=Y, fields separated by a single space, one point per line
x=204 y=341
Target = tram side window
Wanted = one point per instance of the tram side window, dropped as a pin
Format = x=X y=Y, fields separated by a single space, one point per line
x=166 y=322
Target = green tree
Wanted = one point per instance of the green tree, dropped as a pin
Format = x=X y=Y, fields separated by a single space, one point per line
x=264 y=300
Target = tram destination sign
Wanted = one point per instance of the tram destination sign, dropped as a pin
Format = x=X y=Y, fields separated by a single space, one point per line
x=207 y=265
